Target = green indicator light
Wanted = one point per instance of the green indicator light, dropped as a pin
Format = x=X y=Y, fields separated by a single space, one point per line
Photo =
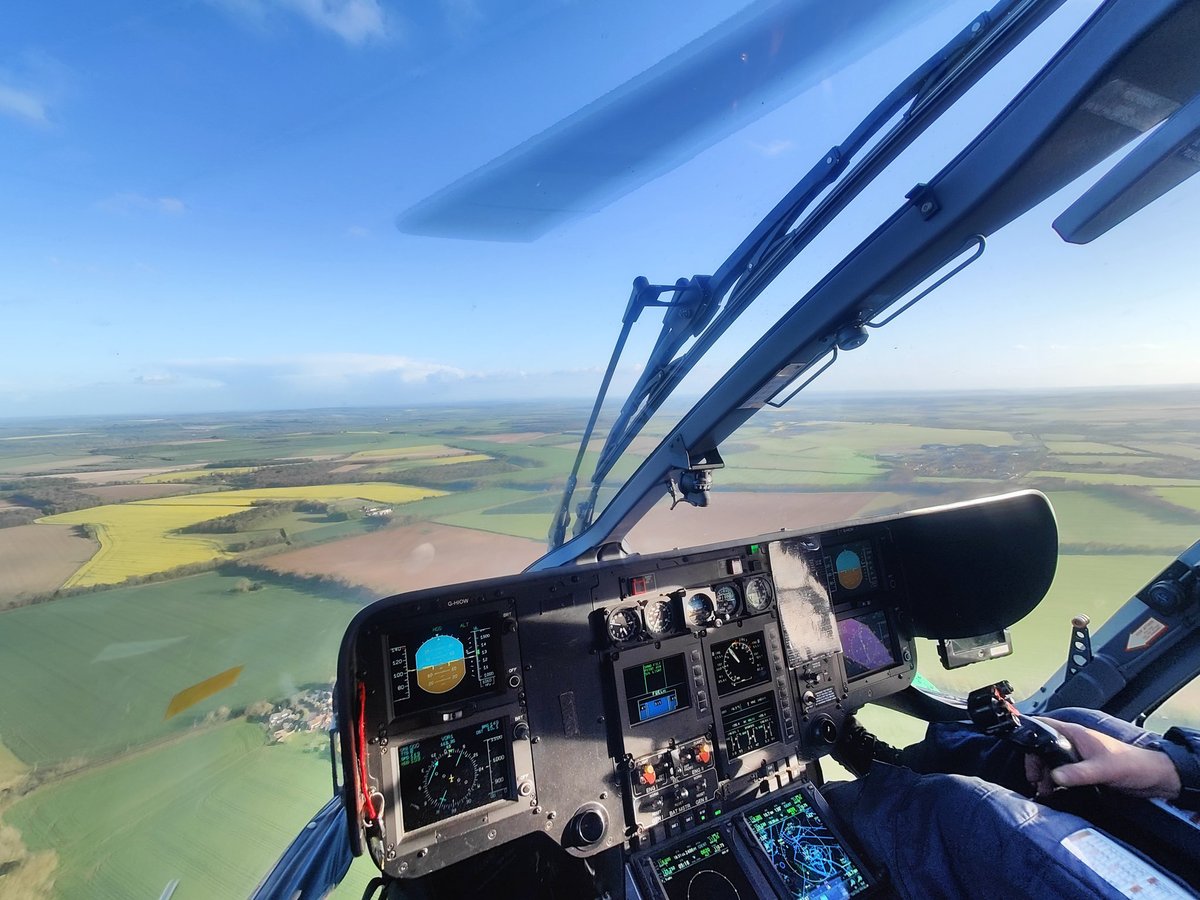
x=754 y=548
x=716 y=812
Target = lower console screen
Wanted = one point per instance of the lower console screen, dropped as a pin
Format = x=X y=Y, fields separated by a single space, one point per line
x=443 y=776
x=803 y=853
x=703 y=869
x=750 y=724
x=656 y=688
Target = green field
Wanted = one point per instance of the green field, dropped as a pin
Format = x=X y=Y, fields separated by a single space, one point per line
x=1092 y=517
x=1117 y=478
x=1188 y=497
x=214 y=811
x=90 y=676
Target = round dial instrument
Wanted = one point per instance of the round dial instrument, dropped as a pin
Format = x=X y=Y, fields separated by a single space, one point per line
x=727 y=601
x=699 y=610
x=659 y=616
x=758 y=594
x=740 y=662
x=623 y=624
x=451 y=779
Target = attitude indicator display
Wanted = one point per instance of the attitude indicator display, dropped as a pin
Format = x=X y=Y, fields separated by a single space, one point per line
x=455 y=772
x=450 y=662
x=850 y=569
x=802 y=852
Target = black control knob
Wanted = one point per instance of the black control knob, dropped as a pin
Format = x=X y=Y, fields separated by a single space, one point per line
x=587 y=826
x=520 y=732
x=823 y=730
x=1167 y=597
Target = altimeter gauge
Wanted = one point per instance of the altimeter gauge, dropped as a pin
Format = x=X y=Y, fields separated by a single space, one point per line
x=624 y=624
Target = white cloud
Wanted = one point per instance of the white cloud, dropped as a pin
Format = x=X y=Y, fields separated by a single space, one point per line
x=323 y=370
x=131 y=202
x=773 y=148
x=21 y=104
x=354 y=21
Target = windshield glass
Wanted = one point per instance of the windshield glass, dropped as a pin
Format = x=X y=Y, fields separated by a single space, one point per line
x=305 y=303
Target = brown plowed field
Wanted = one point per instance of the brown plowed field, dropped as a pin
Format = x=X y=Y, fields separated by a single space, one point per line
x=411 y=557
x=36 y=559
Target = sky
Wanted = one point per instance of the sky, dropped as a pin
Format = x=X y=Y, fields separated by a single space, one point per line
x=201 y=201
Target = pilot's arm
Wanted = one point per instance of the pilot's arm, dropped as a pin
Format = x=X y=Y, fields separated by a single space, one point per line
x=1168 y=768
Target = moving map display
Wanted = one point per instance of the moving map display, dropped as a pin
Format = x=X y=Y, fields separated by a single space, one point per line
x=867 y=644
x=704 y=868
x=444 y=663
x=802 y=852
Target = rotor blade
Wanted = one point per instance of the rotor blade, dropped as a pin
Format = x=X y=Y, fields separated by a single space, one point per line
x=710 y=88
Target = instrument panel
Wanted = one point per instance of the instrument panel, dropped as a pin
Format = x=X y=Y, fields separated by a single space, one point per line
x=629 y=703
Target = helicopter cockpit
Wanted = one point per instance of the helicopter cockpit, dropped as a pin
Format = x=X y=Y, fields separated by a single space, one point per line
x=661 y=718
x=669 y=705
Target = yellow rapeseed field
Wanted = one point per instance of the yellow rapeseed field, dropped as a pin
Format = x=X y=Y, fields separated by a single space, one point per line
x=137 y=538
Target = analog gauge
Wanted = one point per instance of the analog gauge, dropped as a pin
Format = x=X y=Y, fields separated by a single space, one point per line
x=727 y=601
x=740 y=662
x=660 y=618
x=699 y=610
x=623 y=624
x=451 y=779
x=758 y=594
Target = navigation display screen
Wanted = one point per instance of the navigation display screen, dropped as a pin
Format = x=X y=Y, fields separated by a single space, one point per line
x=444 y=663
x=656 y=688
x=443 y=776
x=803 y=853
x=868 y=644
x=850 y=570
x=750 y=724
x=702 y=868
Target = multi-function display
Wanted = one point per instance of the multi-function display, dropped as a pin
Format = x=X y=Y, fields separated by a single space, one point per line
x=740 y=663
x=444 y=663
x=750 y=724
x=446 y=775
x=802 y=852
x=702 y=867
x=656 y=688
x=868 y=644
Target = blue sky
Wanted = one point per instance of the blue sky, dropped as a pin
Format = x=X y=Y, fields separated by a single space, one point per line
x=200 y=201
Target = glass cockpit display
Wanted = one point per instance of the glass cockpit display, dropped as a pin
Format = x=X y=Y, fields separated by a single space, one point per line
x=802 y=852
x=705 y=867
x=850 y=570
x=445 y=663
x=656 y=688
x=868 y=644
x=454 y=772
x=750 y=724
x=740 y=663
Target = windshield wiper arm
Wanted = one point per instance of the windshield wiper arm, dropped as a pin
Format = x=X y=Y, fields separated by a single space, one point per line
x=697 y=310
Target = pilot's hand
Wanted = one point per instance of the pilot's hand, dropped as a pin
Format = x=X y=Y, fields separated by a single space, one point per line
x=1104 y=760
